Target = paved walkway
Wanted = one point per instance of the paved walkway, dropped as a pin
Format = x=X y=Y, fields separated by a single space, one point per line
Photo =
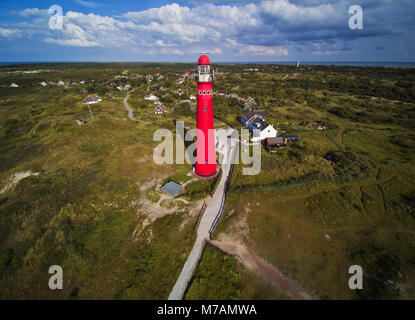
x=206 y=222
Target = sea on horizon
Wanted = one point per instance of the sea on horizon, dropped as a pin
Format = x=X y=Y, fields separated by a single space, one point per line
x=326 y=63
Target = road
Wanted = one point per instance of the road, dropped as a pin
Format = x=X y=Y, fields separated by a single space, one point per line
x=206 y=222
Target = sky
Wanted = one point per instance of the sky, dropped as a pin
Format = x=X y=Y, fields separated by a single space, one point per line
x=232 y=31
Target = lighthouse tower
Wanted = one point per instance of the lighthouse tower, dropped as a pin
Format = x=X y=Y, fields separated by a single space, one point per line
x=205 y=166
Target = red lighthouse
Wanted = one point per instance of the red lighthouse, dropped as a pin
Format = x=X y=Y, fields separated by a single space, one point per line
x=205 y=166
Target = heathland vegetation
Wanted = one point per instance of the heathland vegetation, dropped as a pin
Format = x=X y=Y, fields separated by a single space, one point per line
x=338 y=197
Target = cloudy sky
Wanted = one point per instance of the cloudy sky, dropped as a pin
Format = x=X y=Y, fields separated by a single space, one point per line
x=162 y=30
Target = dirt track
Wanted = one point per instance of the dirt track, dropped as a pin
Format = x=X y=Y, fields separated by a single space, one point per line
x=130 y=111
x=263 y=268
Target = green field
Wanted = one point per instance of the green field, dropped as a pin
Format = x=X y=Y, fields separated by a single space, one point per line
x=94 y=207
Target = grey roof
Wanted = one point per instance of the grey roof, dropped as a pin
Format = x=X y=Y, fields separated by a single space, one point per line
x=172 y=187
x=275 y=141
x=252 y=113
x=259 y=123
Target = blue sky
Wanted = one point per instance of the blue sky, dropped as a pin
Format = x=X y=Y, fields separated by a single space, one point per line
x=160 y=30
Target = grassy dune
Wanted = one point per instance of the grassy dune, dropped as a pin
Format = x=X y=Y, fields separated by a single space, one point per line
x=81 y=210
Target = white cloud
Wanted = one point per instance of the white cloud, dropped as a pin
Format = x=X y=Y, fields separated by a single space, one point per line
x=266 y=28
x=9 y=33
x=74 y=35
x=88 y=4
x=32 y=12
x=255 y=50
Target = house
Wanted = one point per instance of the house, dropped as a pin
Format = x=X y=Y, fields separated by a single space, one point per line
x=61 y=83
x=192 y=97
x=251 y=115
x=43 y=83
x=179 y=92
x=151 y=97
x=81 y=122
x=91 y=98
x=179 y=81
x=82 y=82
x=120 y=87
x=265 y=130
x=13 y=85
x=221 y=93
x=107 y=95
x=162 y=88
x=321 y=128
x=160 y=109
x=273 y=144
x=149 y=77
x=233 y=95
x=158 y=74
x=127 y=87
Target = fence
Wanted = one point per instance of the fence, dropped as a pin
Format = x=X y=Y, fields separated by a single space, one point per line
x=204 y=205
x=222 y=205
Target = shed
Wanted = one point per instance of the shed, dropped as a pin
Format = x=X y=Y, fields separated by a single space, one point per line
x=172 y=188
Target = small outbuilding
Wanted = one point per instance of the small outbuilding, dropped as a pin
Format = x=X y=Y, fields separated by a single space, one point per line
x=172 y=188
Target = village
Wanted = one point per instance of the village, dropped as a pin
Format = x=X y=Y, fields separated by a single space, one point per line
x=166 y=96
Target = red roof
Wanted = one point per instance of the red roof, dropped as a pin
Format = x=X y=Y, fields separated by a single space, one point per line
x=204 y=60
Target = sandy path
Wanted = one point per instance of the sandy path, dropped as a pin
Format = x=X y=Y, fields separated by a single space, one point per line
x=261 y=267
x=15 y=178
x=130 y=111
x=214 y=206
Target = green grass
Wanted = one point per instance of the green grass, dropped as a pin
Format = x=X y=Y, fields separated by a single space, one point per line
x=220 y=276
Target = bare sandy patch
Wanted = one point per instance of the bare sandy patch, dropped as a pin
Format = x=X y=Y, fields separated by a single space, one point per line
x=15 y=178
x=151 y=211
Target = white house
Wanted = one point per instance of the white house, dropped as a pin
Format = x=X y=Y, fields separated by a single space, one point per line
x=43 y=83
x=192 y=97
x=61 y=83
x=92 y=98
x=151 y=97
x=265 y=130
x=13 y=85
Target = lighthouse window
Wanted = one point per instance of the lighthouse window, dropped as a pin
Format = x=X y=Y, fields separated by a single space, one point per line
x=208 y=92
x=200 y=91
x=204 y=92
x=205 y=109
